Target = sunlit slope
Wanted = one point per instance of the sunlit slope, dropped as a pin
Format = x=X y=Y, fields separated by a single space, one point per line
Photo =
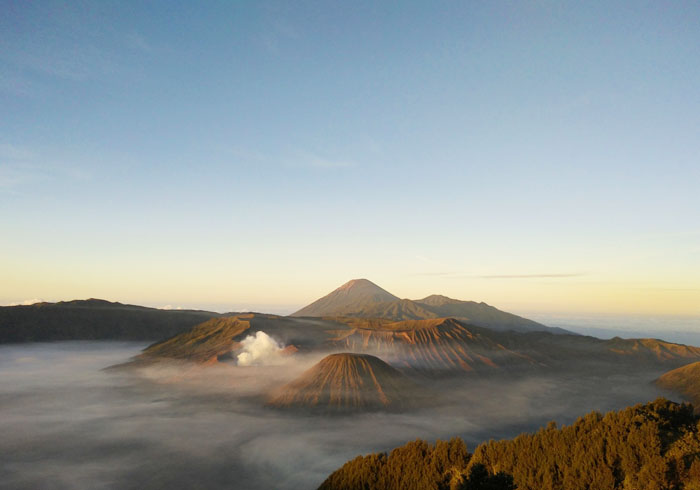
x=684 y=380
x=348 y=382
x=203 y=343
x=364 y=299
x=653 y=349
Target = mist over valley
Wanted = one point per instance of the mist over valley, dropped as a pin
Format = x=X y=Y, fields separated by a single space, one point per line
x=192 y=426
x=257 y=401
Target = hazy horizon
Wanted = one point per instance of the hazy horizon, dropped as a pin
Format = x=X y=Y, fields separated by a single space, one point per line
x=684 y=329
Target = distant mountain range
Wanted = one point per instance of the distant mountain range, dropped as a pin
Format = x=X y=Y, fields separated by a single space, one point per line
x=96 y=319
x=378 y=345
x=375 y=332
x=364 y=299
x=93 y=319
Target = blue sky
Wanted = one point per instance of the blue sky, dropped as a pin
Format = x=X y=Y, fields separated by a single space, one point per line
x=540 y=156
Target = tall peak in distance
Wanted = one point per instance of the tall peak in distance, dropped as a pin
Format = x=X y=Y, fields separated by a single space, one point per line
x=364 y=284
x=355 y=293
x=361 y=298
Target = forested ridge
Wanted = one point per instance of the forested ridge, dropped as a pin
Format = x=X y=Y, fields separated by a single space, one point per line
x=653 y=446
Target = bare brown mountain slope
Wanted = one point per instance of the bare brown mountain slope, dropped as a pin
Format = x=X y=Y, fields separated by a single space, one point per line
x=685 y=381
x=219 y=338
x=653 y=350
x=437 y=345
x=433 y=346
x=348 y=382
x=205 y=342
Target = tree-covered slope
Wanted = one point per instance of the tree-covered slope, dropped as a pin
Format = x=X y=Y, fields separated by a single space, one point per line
x=655 y=446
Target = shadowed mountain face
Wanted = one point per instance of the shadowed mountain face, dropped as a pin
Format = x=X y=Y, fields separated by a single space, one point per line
x=348 y=382
x=93 y=319
x=364 y=299
x=684 y=380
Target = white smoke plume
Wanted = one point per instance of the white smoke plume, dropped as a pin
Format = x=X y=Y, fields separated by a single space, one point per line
x=260 y=349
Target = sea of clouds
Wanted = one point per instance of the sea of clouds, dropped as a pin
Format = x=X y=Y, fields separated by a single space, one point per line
x=67 y=423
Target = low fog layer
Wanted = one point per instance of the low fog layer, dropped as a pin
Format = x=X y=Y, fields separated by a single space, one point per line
x=66 y=423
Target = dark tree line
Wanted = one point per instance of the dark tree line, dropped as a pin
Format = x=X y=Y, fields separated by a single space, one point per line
x=655 y=446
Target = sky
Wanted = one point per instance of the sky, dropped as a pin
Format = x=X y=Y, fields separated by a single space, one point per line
x=543 y=156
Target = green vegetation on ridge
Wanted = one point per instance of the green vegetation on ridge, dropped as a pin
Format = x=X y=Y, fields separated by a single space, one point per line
x=655 y=446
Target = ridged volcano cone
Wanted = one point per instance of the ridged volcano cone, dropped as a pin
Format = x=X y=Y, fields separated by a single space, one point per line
x=348 y=382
